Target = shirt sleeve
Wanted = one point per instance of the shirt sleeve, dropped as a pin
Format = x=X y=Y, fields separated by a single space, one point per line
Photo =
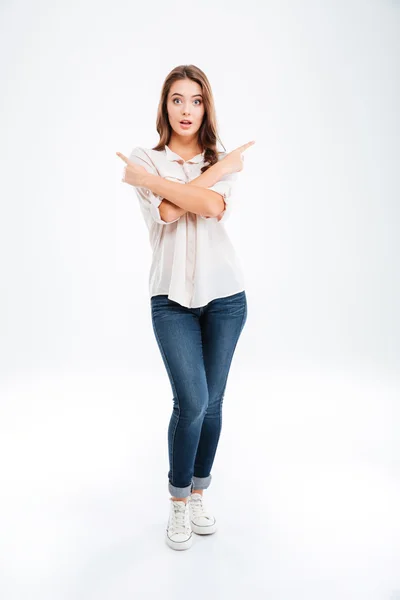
x=225 y=187
x=139 y=157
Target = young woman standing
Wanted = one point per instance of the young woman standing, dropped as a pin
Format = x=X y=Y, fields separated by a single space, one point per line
x=196 y=284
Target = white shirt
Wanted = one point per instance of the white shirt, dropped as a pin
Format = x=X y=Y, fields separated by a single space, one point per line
x=194 y=260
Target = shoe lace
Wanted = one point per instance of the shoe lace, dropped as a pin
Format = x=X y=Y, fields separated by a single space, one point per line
x=197 y=506
x=179 y=516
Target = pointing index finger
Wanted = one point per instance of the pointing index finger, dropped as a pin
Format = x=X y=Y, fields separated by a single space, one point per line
x=245 y=146
x=126 y=160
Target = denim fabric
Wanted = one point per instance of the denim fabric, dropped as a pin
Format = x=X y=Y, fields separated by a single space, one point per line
x=197 y=347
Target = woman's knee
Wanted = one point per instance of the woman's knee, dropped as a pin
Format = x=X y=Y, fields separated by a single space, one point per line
x=192 y=407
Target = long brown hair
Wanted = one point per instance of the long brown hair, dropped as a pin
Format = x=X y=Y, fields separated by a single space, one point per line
x=207 y=134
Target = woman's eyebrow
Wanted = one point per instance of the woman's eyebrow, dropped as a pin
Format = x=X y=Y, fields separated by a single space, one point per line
x=176 y=94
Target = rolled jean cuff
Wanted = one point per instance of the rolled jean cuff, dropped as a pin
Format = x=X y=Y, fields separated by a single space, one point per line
x=201 y=483
x=180 y=492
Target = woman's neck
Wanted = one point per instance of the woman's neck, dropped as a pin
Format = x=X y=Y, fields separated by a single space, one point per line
x=185 y=150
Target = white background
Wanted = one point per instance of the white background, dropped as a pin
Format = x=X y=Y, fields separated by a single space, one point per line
x=306 y=483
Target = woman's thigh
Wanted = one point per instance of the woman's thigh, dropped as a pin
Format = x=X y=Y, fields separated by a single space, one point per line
x=221 y=326
x=179 y=338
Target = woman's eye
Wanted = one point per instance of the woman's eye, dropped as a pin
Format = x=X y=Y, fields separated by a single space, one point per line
x=194 y=100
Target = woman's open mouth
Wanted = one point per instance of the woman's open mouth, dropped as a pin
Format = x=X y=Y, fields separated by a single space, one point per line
x=185 y=124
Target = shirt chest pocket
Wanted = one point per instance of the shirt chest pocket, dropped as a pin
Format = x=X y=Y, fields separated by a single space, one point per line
x=174 y=172
x=175 y=179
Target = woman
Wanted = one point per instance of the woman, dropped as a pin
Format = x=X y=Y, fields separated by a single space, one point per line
x=196 y=284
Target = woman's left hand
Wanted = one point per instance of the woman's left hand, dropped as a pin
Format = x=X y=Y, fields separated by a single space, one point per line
x=133 y=173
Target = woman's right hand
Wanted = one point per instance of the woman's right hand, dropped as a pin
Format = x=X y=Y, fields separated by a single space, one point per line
x=233 y=161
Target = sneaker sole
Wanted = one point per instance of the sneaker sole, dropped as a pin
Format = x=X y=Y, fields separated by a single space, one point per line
x=179 y=545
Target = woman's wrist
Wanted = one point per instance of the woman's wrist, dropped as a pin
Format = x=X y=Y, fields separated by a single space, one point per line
x=211 y=176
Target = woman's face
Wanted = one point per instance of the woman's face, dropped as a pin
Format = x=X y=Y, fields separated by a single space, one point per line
x=185 y=102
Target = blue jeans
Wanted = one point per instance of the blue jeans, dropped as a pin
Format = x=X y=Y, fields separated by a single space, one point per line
x=197 y=346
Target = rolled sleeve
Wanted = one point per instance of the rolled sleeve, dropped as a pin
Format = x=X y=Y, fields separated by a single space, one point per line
x=225 y=187
x=153 y=201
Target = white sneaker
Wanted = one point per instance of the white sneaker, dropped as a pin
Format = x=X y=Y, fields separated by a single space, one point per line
x=201 y=520
x=179 y=533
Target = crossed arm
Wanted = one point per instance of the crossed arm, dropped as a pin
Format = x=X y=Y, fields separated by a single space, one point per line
x=177 y=200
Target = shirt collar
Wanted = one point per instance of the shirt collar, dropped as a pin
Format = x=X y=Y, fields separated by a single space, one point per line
x=173 y=156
